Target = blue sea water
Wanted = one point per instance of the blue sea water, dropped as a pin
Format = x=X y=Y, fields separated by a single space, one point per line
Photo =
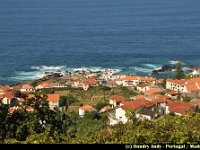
x=134 y=36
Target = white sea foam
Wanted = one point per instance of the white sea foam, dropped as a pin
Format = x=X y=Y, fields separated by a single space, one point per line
x=24 y=76
x=153 y=66
x=48 y=67
x=174 y=62
x=186 y=69
x=141 y=69
x=147 y=68
x=95 y=69
x=38 y=72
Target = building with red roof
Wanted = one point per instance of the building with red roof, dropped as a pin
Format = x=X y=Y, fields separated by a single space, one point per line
x=85 y=83
x=43 y=85
x=117 y=100
x=153 y=91
x=5 y=88
x=143 y=87
x=132 y=81
x=143 y=109
x=26 y=88
x=29 y=109
x=179 y=107
x=53 y=100
x=85 y=108
x=6 y=97
x=184 y=85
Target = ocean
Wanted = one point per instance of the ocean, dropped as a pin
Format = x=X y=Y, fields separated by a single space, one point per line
x=133 y=36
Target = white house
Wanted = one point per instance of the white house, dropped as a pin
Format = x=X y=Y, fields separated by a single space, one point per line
x=128 y=81
x=53 y=100
x=175 y=85
x=7 y=98
x=27 y=88
x=85 y=108
x=196 y=72
x=178 y=107
x=121 y=112
x=43 y=85
x=145 y=114
x=143 y=87
x=132 y=81
x=117 y=100
x=119 y=116
x=184 y=86
x=143 y=109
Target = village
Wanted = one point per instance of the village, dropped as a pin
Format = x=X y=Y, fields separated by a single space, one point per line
x=148 y=98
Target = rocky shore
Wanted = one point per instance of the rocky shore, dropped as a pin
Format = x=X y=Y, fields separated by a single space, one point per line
x=164 y=68
x=167 y=68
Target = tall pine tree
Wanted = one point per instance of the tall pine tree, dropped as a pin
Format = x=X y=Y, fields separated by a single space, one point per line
x=179 y=71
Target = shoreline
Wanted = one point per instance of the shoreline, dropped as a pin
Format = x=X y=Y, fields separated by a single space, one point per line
x=58 y=74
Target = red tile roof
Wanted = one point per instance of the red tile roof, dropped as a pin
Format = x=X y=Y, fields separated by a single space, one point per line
x=172 y=93
x=87 y=107
x=31 y=95
x=179 y=109
x=29 y=108
x=136 y=104
x=192 y=87
x=179 y=106
x=53 y=97
x=5 y=88
x=9 y=95
x=142 y=85
x=27 y=86
x=153 y=91
x=147 y=79
x=21 y=100
x=89 y=81
x=46 y=84
x=160 y=80
x=118 y=98
x=177 y=81
x=130 y=78
x=162 y=99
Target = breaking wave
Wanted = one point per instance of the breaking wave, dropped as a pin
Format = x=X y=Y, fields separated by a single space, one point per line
x=174 y=62
x=37 y=72
x=146 y=68
x=141 y=69
x=152 y=66
x=25 y=76
x=95 y=69
x=47 y=67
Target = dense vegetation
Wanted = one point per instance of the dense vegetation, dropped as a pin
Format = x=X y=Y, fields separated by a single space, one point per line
x=47 y=126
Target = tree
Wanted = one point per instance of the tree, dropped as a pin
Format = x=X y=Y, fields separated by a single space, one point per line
x=179 y=71
x=163 y=84
x=92 y=115
x=22 y=133
x=66 y=101
x=100 y=105
x=34 y=84
x=18 y=94
x=63 y=101
x=187 y=99
x=14 y=102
